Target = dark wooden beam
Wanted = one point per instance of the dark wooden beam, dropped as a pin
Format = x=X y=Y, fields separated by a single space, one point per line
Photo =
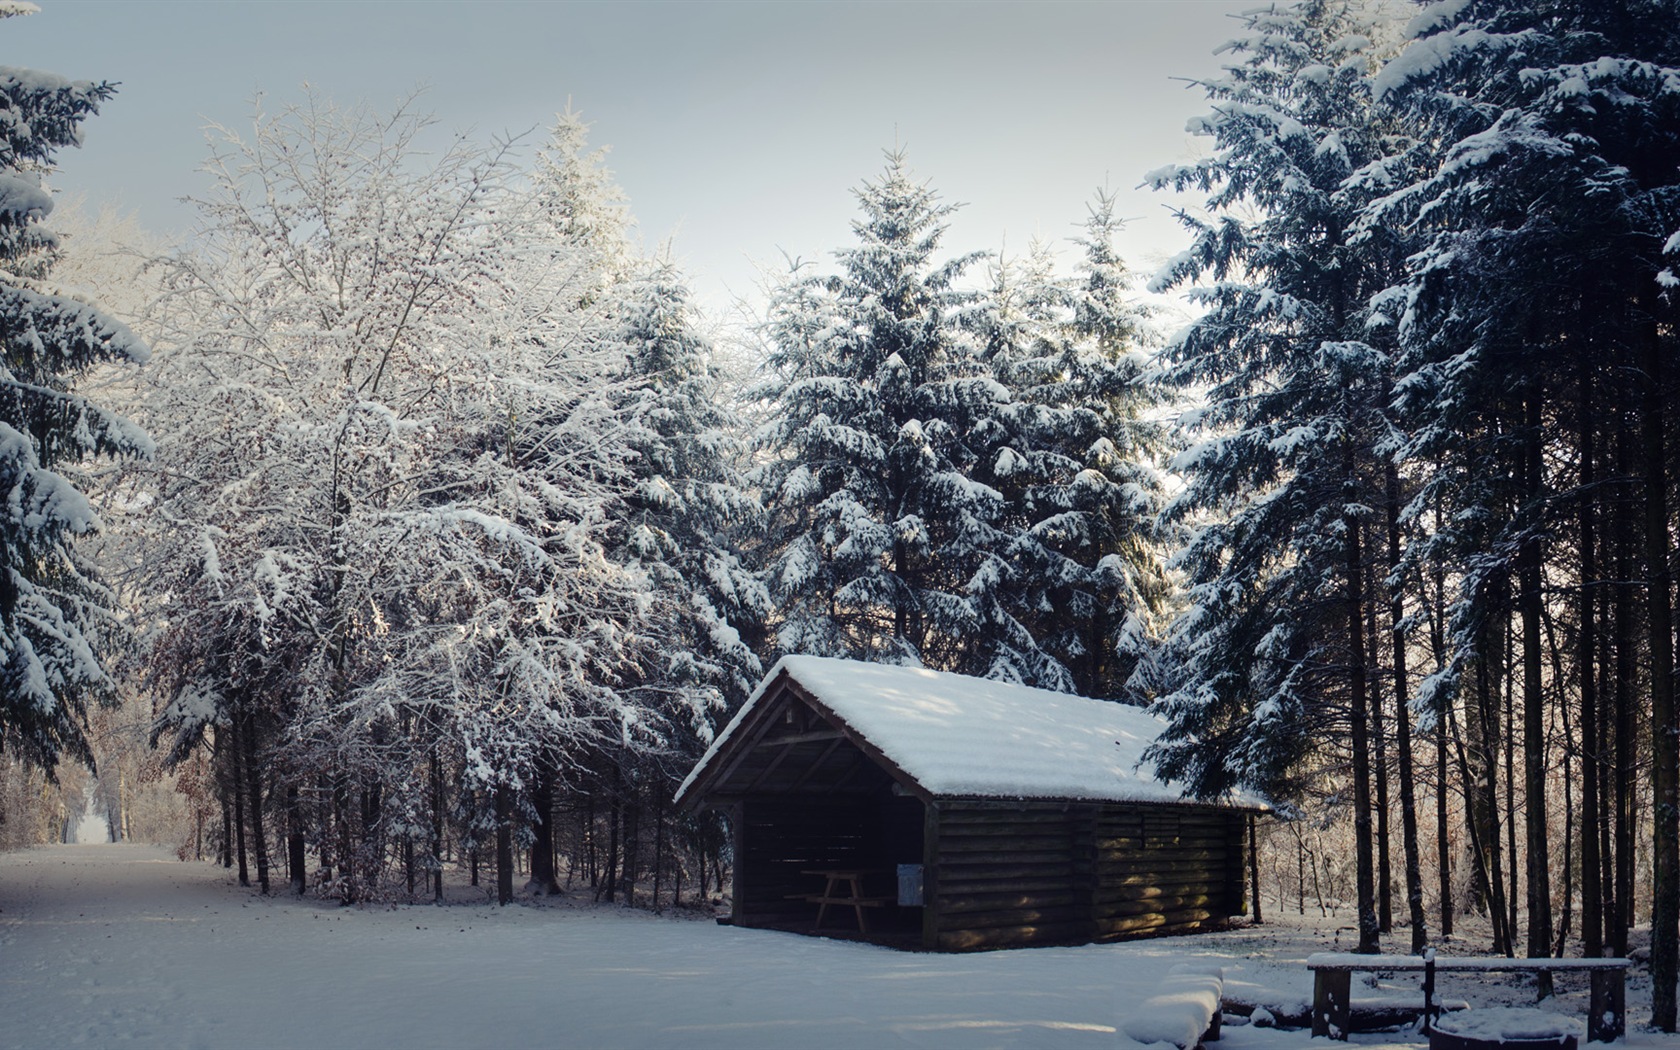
x=812 y=737
x=811 y=769
x=774 y=764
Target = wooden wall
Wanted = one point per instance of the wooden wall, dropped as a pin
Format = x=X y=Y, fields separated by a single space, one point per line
x=1032 y=872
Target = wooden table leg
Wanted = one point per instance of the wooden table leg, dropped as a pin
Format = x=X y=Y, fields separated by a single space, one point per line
x=1330 y=1011
x=822 y=908
x=857 y=895
x=1607 y=1007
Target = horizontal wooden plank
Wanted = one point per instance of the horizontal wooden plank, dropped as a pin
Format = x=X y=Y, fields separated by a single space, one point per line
x=990 y=869
x=1157 y=905
x=1128 y=872
x=958 y=904
x=1011 y=915
x=998 y=937
x=951 y=847
x=1154 y=921
x=949 y=887
x=1109 y=894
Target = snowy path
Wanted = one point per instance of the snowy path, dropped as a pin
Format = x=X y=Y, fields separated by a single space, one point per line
x=123 y=946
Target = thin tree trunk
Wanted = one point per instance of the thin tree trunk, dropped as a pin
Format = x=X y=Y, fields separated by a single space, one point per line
x=504 y=844
x=1529 y=561
x=295 y=861
x=1488 y=797
x=658 y=844
x=1592 y=864
x=1623 y=915
x=1443 y=836
x=436 y=771
x=1379 y=750
x=1510 y=740
x=632 y=843
x=1665 y=746
x=1403 y=721
x=1365 y=862
x=239 y=784
x=542 y=882
x=614 y=811
x=254 y=773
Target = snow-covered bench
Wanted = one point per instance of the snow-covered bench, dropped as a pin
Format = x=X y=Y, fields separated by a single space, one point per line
x=1183 y=1012
x=1332 y=973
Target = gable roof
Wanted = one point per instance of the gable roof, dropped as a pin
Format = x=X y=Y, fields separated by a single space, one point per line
x=954 y=736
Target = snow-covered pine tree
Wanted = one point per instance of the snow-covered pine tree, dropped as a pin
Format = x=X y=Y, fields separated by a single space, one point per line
x=1079 y=475
x=1272 y=654
x=884 y=545
x=1537 y=323
x=690 y=511
x=57 y=619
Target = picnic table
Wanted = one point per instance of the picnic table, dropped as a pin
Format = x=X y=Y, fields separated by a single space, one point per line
x=1333 y=972
x=844 y=888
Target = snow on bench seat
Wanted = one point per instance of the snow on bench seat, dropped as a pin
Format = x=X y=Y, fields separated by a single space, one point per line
x=1184 y=1012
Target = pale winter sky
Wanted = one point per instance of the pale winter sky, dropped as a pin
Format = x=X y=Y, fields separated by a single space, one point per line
x=737 y=129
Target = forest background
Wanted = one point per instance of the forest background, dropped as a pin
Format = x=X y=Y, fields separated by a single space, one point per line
x=411 y=520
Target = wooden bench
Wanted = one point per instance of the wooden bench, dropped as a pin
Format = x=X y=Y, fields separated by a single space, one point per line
x=1333 y=972
x=1183 y=1012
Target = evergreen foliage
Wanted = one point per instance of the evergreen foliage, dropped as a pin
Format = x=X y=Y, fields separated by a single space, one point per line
x=57 y=619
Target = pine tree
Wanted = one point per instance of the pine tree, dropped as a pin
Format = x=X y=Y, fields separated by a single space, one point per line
x=1534 y=313
x=1079 y=477
x=1273 y=655
x=57 y=619
x=690 y=510
x=886 y=544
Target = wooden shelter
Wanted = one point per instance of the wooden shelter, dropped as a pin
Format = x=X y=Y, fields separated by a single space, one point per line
x=936 y=811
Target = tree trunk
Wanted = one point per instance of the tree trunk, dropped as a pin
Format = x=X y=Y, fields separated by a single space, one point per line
x=1509 y=692
x=1529 y=561
x=1592 y=865
x=615 y=808
x=1622 y=915
x=238 y=756
x=1443 y=836
x=1379 y=750
x=1665 y=746
x=436 y=771
x=1365 y=862
x=1403 y=722
x=253 y=772
x=504 y=844
x=542 y=882
x=295 y=861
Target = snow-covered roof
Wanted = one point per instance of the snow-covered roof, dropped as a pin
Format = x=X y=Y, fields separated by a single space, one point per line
x=958 y=736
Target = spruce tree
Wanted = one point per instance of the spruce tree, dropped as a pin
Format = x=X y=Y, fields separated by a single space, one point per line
x=57 y=619
x=1079 y=475
x=1272 y=657
x=1535 y=311
x=885 y=541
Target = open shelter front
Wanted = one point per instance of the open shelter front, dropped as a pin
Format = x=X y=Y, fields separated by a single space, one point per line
x=932 y=810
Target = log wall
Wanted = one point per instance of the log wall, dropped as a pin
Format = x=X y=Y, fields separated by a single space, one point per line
x=1022 y=873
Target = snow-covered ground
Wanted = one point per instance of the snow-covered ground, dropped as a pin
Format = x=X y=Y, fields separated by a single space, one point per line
x=119 y=946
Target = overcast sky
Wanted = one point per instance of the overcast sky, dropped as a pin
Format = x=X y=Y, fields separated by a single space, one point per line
x=737 y=129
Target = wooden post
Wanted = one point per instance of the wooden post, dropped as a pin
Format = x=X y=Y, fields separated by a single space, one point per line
x=930 y=876
x=1607 y=1006
x=1254 y=866
x=1331 y=1007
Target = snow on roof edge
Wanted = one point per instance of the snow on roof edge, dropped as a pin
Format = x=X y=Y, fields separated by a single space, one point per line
x=962 y=737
